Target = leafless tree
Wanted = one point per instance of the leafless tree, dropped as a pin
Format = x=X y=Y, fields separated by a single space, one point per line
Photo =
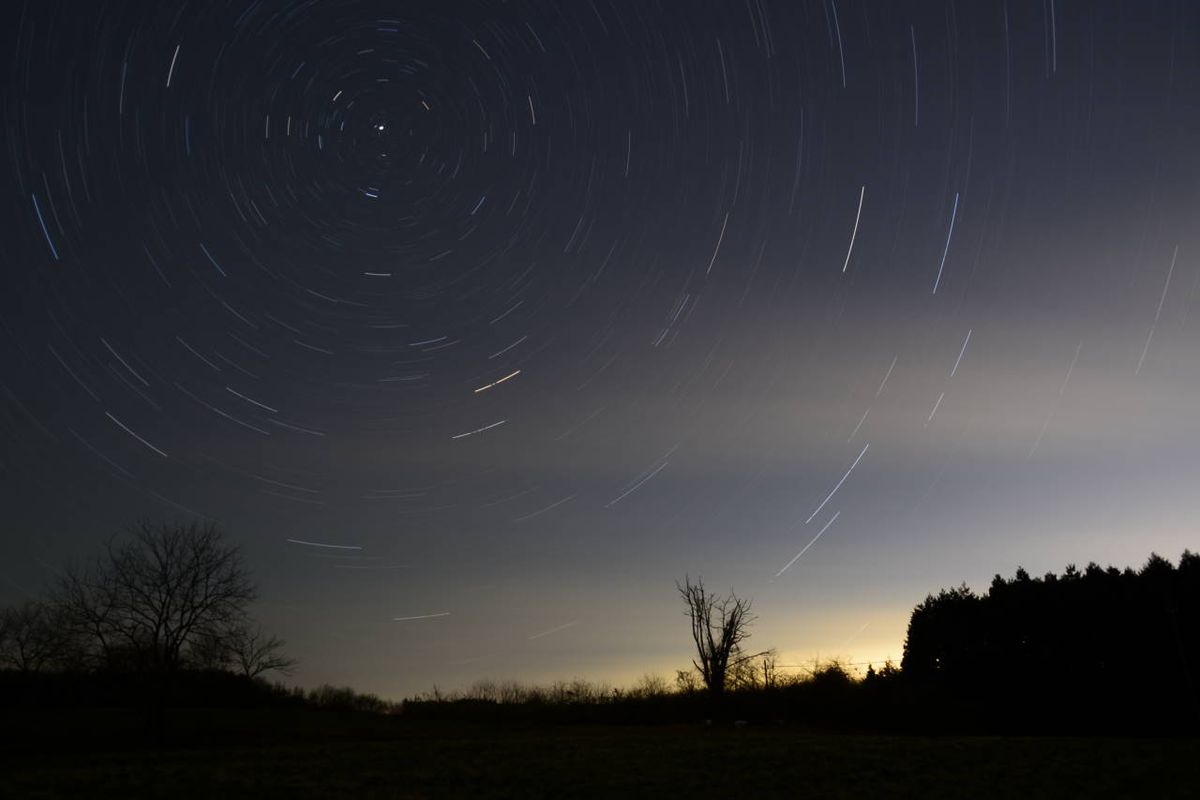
x=253 y=652
x=31 y=639
x=155 y=593
x=719 y=626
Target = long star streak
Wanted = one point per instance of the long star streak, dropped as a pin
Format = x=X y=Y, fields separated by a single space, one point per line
x=833 y=491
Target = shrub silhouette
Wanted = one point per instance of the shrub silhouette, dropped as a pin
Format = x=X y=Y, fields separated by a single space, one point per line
x=344 y=698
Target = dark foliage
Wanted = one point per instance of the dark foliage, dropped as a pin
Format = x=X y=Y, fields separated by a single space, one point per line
x=1087 y=651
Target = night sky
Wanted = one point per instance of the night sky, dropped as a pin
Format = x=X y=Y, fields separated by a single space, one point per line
x=478 y=324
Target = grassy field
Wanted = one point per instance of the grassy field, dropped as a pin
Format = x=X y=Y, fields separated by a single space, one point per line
x=319 y=756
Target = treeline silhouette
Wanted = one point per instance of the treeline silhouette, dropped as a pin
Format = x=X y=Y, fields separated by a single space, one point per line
x=1097 y=649
x=1101 y=650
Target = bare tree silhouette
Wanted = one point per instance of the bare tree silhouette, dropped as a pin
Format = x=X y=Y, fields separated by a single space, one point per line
x=30 y=637
x=253 y=652
x=156 y=593
x=719 y=626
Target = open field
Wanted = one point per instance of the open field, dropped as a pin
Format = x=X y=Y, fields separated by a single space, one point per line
x=317 y=756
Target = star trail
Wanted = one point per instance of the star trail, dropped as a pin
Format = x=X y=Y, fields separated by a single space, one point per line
x=499 y=317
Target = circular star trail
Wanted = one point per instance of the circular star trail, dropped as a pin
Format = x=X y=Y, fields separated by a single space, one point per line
x=478 y=323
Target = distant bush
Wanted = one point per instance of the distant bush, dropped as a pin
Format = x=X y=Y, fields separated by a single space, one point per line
x=819 y=696
x=343 y=698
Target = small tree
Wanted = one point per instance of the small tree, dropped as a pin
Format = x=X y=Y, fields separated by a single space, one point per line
x=253 y=652
x=719 y=626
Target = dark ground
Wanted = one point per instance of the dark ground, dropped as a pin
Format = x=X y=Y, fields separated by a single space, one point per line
x=305 y=754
